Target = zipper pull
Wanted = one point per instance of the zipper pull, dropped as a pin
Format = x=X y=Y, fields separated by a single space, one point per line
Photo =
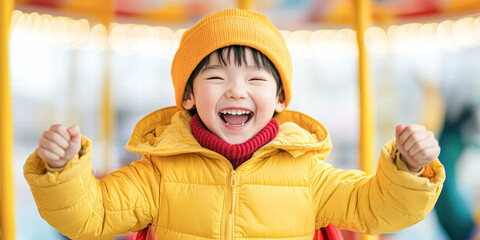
x=234 y=178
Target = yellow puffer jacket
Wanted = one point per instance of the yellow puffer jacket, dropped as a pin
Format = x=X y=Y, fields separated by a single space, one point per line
x=285 y=191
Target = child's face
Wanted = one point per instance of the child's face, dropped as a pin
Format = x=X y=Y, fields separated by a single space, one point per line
x=235 y=101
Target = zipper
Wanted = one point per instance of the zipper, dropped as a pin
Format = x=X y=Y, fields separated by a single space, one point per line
x=233 y=184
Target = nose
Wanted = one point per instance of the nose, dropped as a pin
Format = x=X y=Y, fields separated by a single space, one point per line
x=236 y=90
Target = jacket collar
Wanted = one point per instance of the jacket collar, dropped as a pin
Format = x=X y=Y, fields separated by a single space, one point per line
x=167 y=132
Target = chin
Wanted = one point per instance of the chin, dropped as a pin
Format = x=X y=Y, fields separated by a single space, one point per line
x=232 y=142
x=235 y=140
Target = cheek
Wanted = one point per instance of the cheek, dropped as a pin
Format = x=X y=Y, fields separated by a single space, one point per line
x=265 y=105
x=266 y=97
x=207 y=97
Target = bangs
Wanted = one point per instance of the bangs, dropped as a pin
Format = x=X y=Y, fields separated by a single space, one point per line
x=240 y=59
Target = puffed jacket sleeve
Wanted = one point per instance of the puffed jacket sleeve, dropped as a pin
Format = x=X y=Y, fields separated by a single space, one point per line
x=80 y=206
x=386 y=202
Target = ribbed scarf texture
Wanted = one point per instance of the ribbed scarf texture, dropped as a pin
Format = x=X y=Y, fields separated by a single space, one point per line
x=236 y=153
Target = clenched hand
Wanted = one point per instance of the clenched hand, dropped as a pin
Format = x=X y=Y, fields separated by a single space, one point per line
x=417 y=146
x=59 y=144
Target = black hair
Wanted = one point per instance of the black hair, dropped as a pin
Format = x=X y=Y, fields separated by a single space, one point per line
x=261 y=61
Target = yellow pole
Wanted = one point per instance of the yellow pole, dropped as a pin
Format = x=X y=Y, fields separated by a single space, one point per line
x=363 y=15
x=7 y=222
x=245 y=4
x=107 y=115
x=363 y=20
x=105 y=15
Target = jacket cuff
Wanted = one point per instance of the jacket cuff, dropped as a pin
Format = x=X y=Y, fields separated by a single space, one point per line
x=37 y=172
x=404 y=178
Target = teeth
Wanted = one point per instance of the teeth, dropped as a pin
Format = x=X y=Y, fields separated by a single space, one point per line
x=235 y=112
x=238 y=125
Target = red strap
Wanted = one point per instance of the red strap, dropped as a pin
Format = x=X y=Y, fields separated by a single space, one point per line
x=328 y=233
x=142 y=234
x=333 y=232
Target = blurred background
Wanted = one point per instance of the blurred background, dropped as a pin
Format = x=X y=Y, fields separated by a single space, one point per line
x=424 y=60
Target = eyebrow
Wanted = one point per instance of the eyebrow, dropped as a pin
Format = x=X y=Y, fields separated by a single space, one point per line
x=216 y=66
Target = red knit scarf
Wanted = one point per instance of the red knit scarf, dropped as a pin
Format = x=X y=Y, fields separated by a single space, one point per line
x=236 y=153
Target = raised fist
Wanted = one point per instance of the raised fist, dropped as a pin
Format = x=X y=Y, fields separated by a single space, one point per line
x=59 y=144
x=417 y=146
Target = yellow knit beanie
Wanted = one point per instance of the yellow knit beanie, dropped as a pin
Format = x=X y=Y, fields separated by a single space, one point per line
x=225 y=28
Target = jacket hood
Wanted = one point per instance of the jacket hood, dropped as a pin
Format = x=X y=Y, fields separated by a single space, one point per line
x=167 y=132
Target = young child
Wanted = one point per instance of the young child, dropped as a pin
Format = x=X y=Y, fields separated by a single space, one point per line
x=228 y=162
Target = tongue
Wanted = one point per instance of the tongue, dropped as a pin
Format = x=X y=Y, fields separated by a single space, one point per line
x=235 y=119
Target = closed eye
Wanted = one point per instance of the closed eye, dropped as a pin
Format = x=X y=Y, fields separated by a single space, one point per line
x=257 y=79
x=214 y=78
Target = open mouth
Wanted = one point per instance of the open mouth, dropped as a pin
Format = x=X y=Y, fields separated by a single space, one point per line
x=235 y=118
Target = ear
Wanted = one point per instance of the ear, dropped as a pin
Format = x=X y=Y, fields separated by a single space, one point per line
x=280 y=101
x=189 y=103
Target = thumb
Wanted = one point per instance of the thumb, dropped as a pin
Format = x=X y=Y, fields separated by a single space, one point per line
x=398 y=130
x=75 y=134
